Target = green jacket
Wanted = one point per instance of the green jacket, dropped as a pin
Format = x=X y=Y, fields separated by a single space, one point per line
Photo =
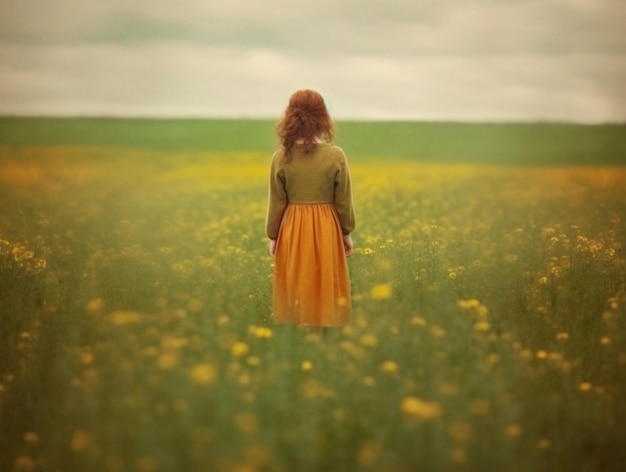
x=321 y=176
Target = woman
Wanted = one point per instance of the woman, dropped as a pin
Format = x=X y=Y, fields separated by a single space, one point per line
x=309 y=218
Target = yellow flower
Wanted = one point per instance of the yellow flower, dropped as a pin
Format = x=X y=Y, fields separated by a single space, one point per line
x=124 y=317
x=95 y=305
x=24 y=463
x=146 y=464
x=458 y=455
x=415 y=408
x=562 y=336
x=369 y=452
x=306 y=366
x=203 y=374
x=585 y=386
x=369 y=381
x=312 y=389
x=80 y=440
x=262 y=332
x=369 y=340
x=389 y=367
x=479 y=407
x=481 y=326
x=223 y=320
x=239 y=349
x=513 y=430
x=173 y=343
x=86 y=355
x=31 y=438
x=544 y=444
x=493 y=358
x=473 y=306
x=167 y=360
x=438 y=332
x=381 y=291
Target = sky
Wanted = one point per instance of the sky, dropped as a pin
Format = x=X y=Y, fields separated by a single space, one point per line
x=457 y=60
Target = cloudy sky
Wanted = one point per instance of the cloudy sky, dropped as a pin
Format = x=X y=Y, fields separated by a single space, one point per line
x=490 y=60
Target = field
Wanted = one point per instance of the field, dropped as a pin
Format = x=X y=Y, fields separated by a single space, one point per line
x=489 y=297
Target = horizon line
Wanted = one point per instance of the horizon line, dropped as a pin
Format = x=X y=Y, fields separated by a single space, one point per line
x=336 y=120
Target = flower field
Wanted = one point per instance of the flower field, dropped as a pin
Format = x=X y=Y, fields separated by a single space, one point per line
x=489 y=328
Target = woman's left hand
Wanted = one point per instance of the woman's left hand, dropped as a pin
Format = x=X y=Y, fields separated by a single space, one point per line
x=273 y=247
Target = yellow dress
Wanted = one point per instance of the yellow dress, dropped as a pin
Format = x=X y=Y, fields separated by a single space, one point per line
x=309 y=211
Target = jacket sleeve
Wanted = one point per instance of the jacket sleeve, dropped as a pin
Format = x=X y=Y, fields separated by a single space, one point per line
x=277 y=199
x=343 y=196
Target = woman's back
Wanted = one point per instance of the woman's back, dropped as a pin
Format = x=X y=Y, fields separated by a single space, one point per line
x=310 y=178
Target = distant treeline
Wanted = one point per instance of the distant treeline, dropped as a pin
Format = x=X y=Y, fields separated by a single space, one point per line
x=487 y=143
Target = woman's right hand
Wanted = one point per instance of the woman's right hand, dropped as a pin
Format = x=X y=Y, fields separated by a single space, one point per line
x=273 y=247
x=347 y=244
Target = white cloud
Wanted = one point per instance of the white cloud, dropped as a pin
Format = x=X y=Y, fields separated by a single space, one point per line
x=486 y=59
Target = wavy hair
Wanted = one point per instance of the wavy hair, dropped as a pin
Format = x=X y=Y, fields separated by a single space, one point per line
x=305 y=120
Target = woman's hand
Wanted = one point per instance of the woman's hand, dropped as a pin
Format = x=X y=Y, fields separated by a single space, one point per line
x=273 y=247
x=347 y=244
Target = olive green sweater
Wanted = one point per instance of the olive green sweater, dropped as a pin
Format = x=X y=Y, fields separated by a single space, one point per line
x=321 y=176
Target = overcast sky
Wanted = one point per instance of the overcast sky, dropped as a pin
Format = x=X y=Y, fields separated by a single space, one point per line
x=490 y=60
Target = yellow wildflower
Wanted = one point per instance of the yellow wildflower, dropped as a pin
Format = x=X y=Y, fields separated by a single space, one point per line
x=513 y=430
x=458 y=455
x=479 y=407
x=389 y=367
x=167 y=360
x=239 y=349
x=369 y=381
x=381 y=291
x=369 y=452
x=262 y=332
x=544 y=444
x=438 y=332
x=86 y=355
x=203 y=374
x=481 y=326
x=124 y=317
x=146 y=464
x=80 y=440
x=369 y=340
x=415 y=408
x=253 y=361
x=31 y=438
x=24 y=463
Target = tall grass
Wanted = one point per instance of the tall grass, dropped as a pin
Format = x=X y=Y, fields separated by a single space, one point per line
x=488 y=331
x=493 y=143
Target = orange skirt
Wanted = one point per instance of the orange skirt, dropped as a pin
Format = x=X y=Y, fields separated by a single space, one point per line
x=311 y=279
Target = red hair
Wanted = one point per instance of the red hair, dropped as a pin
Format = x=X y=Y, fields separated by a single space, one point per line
x=306 y=120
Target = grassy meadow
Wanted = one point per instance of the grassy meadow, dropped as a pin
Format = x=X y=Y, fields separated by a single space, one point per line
x=488 y=282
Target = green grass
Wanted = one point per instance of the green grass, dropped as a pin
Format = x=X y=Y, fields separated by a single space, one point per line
x=488 y=332
x=505 y=143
